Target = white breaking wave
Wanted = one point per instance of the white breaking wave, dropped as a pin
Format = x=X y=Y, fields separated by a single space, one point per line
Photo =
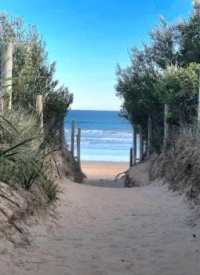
x=103 y=132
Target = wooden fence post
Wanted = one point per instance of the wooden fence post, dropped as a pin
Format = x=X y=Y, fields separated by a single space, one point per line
x=6 y=74
x=39 y=108
x=141 y=143
x=166 y=127
x=134 y=146
x=72 y=136
x=131 y=157
x=198 y=118
x=144 y=146
x=149 y=145
x=79 y=147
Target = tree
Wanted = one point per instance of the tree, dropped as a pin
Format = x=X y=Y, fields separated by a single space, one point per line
x=164 y=48
x=31 y=72
x=135 y=85
x=188 y=34
x=163 y=73
x=178 y=87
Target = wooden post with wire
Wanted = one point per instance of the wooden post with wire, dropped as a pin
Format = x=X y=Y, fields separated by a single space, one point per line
x=131 y=157
x=79 y=147
x=166 y=127
x=141 y=142
x=6 y=74
x=72 y=136
x=134 y=152
x=39 y=109
x=149 y=142
x=198 y=118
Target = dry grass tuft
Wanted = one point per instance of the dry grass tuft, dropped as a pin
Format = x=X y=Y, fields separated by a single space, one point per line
x=180 y=165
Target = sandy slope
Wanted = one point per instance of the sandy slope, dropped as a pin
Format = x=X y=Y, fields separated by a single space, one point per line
x=103 y=230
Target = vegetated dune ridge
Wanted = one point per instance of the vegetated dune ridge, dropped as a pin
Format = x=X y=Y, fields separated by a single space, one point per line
x=97 y=229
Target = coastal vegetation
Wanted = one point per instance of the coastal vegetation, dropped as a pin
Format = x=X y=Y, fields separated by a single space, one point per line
x=27 y=150
x=164 y=75
x=165 y=71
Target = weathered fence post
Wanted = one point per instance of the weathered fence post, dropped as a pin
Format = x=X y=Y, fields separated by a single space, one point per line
x=198 y=119
x=131 y=157
x=39 y=108
x=79 y=147
x=6 y=74
x=166 y=127
x=141 y=143
x=72 y=136
x=134 y=152
x=144 y=147
x=149 y=144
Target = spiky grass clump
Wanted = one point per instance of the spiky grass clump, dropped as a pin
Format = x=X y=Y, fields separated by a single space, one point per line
x=24 y=154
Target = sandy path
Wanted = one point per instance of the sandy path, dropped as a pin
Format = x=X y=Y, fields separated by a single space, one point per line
x=103 y=230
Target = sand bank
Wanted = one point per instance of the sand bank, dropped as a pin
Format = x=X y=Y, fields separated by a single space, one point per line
x=109 y=231
x=101 y=173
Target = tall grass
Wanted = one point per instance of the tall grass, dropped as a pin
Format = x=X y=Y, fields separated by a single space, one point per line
x=179 y=166
x=25 y=156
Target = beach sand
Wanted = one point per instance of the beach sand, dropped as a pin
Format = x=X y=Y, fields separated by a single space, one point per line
x=102 y=230
x=103 y=173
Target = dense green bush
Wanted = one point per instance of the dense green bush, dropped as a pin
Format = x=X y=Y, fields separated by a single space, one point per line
x=56 y=105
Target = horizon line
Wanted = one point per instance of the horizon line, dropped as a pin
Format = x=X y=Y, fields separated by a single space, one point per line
x=94 y=110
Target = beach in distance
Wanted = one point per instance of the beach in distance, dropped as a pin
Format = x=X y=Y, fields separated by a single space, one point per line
x=105 y=136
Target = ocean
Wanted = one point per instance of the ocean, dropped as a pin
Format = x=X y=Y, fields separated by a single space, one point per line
x=105 y=136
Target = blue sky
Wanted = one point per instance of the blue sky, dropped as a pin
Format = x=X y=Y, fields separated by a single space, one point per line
x=88 y=37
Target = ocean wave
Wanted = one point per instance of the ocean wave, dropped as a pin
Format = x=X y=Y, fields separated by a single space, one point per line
x=103 y=139
x=103 y=131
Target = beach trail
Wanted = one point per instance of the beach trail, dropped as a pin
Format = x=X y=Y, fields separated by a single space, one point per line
x=101 y=228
